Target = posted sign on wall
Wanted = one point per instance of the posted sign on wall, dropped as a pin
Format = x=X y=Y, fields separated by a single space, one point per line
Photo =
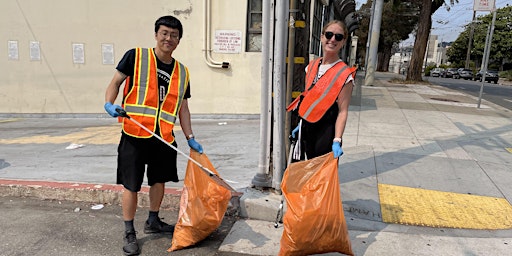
x=227 y=41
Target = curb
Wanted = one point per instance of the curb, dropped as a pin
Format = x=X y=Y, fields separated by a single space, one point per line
x=82 y=192
x=96 y=193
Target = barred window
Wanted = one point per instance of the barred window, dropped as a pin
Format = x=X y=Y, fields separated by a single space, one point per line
x=254 y=23
x=319 y=19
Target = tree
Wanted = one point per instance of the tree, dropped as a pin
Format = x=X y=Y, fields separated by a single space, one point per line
x=501 y=46
x=458 y=49
x=399 y=18
x=428 y=8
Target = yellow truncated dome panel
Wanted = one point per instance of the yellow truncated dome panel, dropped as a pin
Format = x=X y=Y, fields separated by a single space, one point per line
x=421 y=207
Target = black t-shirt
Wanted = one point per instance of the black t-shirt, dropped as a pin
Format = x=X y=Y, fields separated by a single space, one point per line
x=164 y=71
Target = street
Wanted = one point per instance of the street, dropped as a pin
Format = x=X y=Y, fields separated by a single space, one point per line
x=497 y=94
x=32 y=226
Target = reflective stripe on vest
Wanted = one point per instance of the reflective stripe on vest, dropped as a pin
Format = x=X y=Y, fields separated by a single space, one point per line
x=170 y=108
x=141 y=101
x=320 y=97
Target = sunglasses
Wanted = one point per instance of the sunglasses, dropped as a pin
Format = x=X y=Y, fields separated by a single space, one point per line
x=329 y=35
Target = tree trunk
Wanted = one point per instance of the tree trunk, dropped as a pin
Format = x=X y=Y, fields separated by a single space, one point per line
x=380 y=62
x=420 y=43
x=383 y=58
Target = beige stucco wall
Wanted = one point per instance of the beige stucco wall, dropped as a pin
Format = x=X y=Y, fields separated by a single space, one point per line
x=56 y=85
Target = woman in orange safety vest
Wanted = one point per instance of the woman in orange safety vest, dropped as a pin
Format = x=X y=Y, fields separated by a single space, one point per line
x=323 y=106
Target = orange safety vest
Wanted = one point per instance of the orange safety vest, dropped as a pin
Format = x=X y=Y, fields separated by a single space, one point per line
x=318 y=98
x=142 y=103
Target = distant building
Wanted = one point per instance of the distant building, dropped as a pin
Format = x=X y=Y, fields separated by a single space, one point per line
x=399 y=62
x=434 y=55
x=431 y=53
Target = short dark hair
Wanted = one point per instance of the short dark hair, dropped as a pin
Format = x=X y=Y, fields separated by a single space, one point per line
x=169 y=21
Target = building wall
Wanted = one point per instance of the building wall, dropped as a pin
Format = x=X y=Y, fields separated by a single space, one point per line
x=431 y=52
x=53 y=83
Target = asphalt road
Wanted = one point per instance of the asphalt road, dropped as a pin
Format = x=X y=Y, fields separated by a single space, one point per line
x=33 y=226
x=495 y=93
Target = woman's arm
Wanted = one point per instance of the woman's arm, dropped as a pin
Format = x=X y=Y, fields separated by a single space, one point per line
x=343 y=102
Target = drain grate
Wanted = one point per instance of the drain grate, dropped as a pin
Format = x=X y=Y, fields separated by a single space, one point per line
x=447 y=100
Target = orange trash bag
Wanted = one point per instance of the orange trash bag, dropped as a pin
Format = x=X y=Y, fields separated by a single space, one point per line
x=202 y=206
x=314 y=221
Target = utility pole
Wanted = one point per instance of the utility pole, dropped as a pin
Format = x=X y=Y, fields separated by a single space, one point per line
x=486 y=56
x=369 y=38
x=472 y=31
x=374 y=43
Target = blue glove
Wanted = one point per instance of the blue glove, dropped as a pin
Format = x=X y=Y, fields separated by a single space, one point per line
x=195 y=146
x=111 y=109
x=336 y=149
x=295 y=131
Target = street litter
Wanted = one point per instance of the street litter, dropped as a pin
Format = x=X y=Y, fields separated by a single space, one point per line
x=77 y=209
x=97 y=207
x=75 y=146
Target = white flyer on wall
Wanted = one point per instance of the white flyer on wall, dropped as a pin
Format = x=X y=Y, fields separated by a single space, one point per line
x=35 y=51
x=12 y=47
x=78 y=54
x=107 y=52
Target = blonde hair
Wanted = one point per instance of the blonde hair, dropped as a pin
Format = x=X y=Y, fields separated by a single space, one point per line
x=340 y=23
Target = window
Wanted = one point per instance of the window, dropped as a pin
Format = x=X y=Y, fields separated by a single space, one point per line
x=316 y=32
x=254 y=30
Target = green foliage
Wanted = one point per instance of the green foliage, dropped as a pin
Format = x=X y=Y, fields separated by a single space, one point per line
x=506 y=75
x=501 y=46
x=399 y=18
x=458 y=50
x=429 y=68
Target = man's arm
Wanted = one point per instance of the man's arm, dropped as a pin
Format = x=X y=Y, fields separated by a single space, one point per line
x=186 y=127
x=113 y=88
x=185 y=123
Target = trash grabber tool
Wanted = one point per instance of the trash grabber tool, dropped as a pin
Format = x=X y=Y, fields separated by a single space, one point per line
x=279 y=217
x=211 y=174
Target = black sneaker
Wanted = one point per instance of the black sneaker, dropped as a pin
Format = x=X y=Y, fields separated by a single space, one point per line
x=131 y=247
x=158 y=226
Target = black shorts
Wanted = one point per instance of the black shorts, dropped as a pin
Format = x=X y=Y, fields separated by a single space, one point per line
x=133 y=156
x=317 y=137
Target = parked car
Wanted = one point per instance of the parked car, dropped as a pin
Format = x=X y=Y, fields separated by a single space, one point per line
x=449 y=72
x=437 y=72
x=490 y=76
x=463 y=73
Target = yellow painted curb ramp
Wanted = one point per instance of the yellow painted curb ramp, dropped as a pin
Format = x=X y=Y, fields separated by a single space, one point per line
x=421 y=207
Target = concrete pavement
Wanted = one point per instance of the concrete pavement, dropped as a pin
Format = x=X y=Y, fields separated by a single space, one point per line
x=418 y=136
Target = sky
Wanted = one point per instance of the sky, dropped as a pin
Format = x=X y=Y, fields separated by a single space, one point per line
x=449 y=24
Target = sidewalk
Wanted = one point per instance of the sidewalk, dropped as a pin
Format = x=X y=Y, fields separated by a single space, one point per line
x=401 y=141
